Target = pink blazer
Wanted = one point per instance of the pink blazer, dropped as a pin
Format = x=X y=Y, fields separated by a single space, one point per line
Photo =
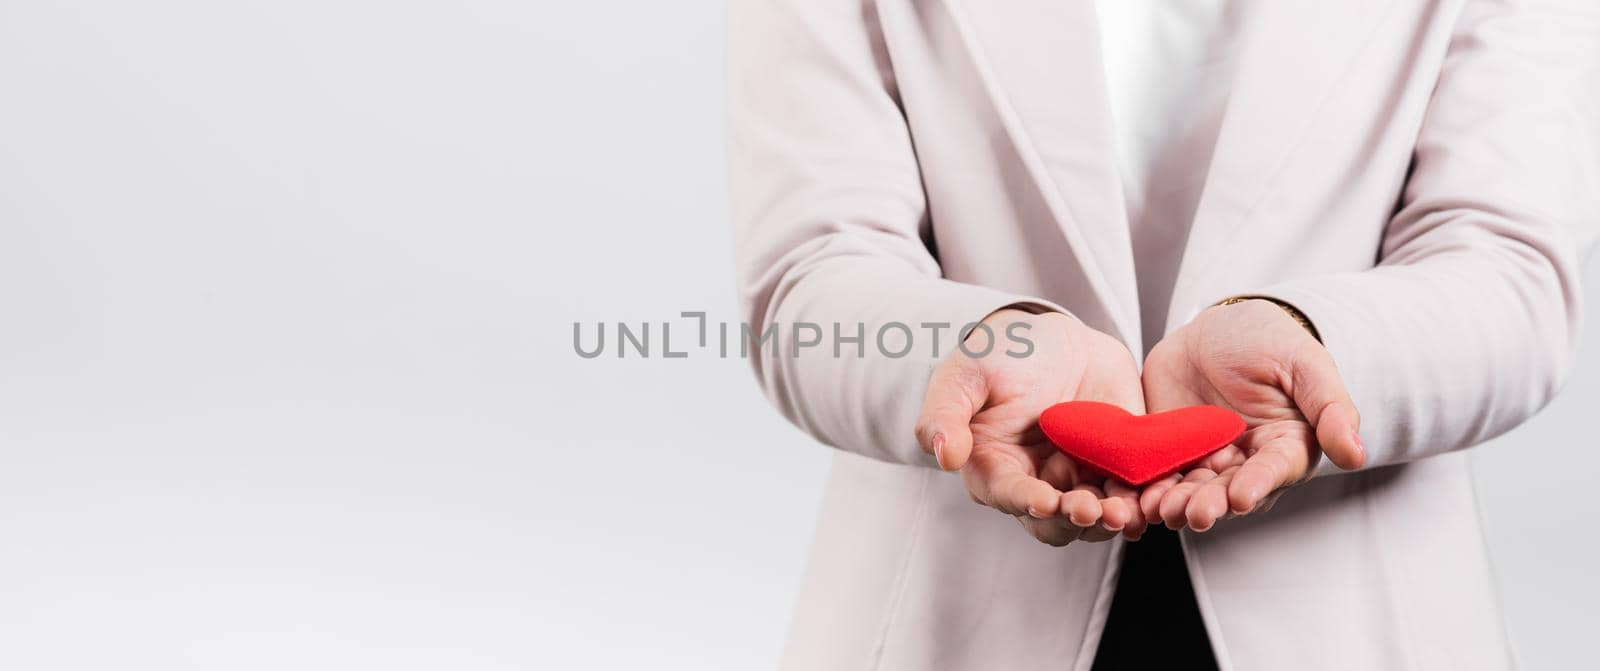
x=1420 y=177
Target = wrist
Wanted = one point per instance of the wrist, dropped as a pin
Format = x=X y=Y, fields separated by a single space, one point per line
x=1284 y=306
x=1018 y=313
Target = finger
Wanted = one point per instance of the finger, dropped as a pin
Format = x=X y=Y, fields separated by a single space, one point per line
x=1176 y=500
x=1002 y=484
x=1150 y=498
x=1320 y=393
x=956 y=391
x=1092 y=489
x=1103 y=530
x=1209 y=502
x=1135 y=526
x=1097 y=534
x=1339 y=435
x=1116 y=513
x=1050 y=532
x=1080 y=507
x=1060 y=471
x=1279 y=464
x=1271 y=500
x=1228 y=457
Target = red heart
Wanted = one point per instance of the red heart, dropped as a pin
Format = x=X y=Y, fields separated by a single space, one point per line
x=1138 y=449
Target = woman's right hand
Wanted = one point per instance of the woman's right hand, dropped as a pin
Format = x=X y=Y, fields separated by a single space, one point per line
x=981 y=416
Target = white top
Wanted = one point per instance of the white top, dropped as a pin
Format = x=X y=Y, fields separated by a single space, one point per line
x=1169 y=68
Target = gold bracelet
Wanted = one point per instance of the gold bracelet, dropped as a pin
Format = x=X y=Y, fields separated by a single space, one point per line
x=1294 y=312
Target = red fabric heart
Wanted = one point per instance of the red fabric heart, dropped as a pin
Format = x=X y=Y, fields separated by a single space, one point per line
x=1138 y=449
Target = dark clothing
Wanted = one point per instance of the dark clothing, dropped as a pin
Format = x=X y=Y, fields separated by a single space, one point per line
x=1154 y=620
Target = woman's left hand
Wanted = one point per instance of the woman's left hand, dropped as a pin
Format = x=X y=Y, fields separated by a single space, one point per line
x=1254 y=358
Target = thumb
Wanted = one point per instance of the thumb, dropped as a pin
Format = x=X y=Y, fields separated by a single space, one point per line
x=956 y=391
x=1320 y=393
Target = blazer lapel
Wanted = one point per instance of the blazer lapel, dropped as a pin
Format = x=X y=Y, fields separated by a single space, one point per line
x=1296 y=54
x=1041 y=61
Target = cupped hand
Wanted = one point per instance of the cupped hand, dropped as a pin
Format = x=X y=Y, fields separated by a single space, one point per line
x=981 y=416
x=1255 y=359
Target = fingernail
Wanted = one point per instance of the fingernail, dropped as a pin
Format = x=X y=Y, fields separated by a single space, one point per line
x=1355 y=437
x=938 y=448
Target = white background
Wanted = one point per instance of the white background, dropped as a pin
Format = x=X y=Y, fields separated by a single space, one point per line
x=286 y=374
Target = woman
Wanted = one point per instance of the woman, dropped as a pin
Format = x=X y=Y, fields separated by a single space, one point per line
x=1358 y=224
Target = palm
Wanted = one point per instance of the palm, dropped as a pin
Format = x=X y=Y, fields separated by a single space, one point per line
x=1256 y=361
x=981 y=416
x=1006 y=435
x=1248 y=386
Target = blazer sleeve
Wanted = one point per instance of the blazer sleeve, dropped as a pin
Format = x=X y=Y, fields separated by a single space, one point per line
x=832 y=226
x=1470 y=321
